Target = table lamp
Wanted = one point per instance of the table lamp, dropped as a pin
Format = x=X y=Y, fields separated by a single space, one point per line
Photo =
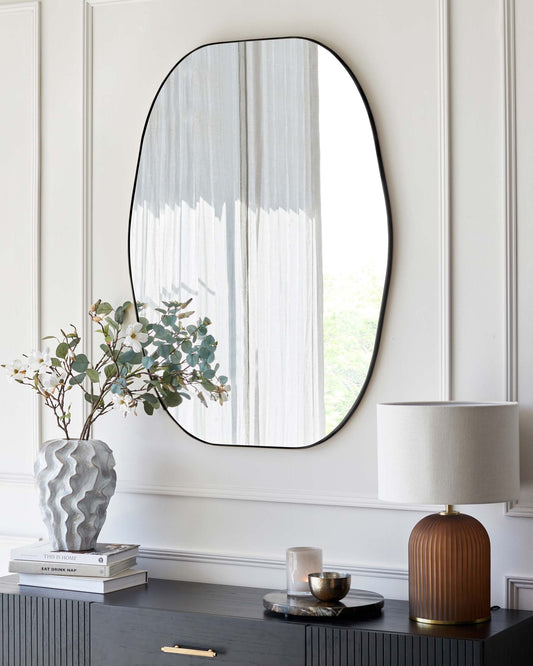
x=448 y=453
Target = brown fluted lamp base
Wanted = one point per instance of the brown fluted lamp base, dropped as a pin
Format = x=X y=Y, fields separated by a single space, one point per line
x=449 y=570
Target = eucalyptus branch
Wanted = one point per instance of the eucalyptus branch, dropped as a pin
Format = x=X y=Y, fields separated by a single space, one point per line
x=139 y=363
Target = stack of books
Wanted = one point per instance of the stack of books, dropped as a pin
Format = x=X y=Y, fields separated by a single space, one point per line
x=105 y=569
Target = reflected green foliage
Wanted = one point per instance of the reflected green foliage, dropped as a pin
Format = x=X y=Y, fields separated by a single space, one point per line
x=351 y=310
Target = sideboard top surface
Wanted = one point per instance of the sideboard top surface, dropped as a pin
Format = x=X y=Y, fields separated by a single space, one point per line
x=247 y=602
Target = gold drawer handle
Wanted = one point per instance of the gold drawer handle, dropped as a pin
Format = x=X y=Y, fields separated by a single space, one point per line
x=195 y=653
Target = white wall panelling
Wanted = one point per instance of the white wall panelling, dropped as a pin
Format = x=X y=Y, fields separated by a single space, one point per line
x=20 y=249
x=519 y=592
x=445 y=201
x=510 y=196
x=87 y=233
x=523 y=101
x=448 y=82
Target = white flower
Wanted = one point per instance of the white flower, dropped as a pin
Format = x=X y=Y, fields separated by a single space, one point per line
x=38 y=361
x=48 y=382
x=135 y=337
x=16 y=370
x=125 y=403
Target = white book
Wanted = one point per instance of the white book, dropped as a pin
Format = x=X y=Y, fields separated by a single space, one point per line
x=69 y=569
x=128 y=578
x=104 y=553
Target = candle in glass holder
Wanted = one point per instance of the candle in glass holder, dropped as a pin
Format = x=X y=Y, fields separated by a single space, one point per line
x=302 y=561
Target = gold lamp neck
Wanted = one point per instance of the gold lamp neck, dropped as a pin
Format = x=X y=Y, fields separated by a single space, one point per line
x=449 y=511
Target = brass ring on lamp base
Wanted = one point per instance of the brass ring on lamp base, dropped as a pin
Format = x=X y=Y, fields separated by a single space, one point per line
x=449 y=622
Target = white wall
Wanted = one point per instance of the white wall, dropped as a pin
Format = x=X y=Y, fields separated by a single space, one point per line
x=440 y=78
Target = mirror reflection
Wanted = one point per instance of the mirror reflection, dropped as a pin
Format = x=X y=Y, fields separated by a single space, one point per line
x=259 y=194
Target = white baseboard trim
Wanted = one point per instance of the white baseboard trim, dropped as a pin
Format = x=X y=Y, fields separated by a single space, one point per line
x=226 y=559
x=232 y=559
x=513 y=585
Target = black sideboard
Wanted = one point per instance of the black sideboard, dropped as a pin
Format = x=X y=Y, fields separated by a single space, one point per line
x=41 y=627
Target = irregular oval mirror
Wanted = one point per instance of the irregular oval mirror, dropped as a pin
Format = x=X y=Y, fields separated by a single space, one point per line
x=260 y=195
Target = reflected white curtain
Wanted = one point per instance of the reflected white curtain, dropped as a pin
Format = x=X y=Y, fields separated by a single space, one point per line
x=227 y=211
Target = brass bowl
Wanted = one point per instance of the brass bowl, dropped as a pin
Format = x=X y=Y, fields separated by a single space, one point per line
x=329 y=585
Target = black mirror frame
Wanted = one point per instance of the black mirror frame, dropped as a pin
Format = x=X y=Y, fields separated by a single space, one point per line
x=388 y=271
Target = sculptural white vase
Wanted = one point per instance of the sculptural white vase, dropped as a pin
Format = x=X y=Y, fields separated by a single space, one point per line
x=75 y=479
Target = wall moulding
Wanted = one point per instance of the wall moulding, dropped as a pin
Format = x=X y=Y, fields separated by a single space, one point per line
x=238 y=494
x=274 y=564
x=445 y=203
x=511 y=263
x=266 y=495
x=513 y=585
x=515 y=508
x=32 y=8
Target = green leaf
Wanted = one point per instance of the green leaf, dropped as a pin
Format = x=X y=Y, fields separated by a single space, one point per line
x=77 y=379
x=56 y=363
x=165 y=350
x=152 y=399
x=159 y=331
x=62 y=349
x=110 y=370
x=112 y=323
x=81 y=363
x=222 y=379
x=209 y=386
x=186 y=346
x=148 y=362
x=104 y=309
x=192 y=359
x=176 y=357
x=172 y=399
x=148 y=408
x=93 y=375
x=49 y=337
x=127 y=356
x=119 y=315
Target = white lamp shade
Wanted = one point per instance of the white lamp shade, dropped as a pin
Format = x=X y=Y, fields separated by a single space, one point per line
x=448 y=452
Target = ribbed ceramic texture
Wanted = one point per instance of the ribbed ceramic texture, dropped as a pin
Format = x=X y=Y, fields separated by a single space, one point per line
x=449 y=569
x=75 y=479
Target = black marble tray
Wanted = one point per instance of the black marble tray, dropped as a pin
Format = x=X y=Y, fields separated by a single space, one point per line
x=358 y=604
